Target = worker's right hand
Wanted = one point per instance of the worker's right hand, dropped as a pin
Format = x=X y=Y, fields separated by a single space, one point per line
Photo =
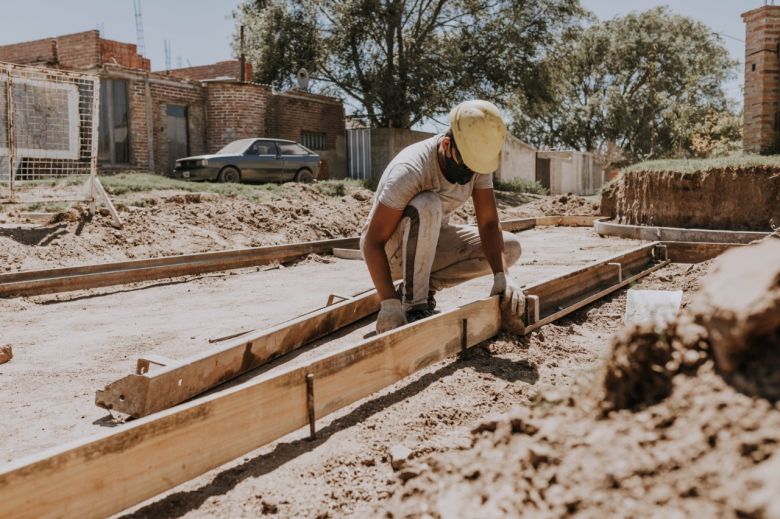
x=391 y=315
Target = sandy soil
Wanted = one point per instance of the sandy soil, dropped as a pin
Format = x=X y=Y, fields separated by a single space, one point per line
x=669 y=430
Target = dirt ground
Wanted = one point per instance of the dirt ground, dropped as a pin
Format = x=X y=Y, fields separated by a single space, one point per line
x=164 y=223
x=512 y=428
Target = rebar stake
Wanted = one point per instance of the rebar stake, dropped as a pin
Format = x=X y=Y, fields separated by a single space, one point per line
x=464 y=334
x=310 y=405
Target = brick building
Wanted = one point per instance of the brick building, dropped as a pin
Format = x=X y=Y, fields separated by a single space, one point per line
x=761 y=127
x=149 y=119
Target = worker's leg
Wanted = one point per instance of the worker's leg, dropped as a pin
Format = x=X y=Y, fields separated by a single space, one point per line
x=459 y=256
x=412 y=247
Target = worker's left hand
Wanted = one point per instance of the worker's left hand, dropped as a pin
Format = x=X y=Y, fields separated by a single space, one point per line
x=513 y=299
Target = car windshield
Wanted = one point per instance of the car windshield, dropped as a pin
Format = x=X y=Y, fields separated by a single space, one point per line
x=236 y=147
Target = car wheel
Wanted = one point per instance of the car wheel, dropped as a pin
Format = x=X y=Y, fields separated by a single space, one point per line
x=304 y=176
x=229 y=174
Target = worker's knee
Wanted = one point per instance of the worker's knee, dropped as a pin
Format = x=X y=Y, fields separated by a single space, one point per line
x=512 y=248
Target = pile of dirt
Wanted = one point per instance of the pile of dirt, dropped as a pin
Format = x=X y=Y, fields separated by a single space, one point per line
x=171 y=223
x=735 y=199
x=163 y=223
x=665 y=435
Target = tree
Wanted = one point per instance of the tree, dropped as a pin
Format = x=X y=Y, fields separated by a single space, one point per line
x=645 y=82
x=402 y=61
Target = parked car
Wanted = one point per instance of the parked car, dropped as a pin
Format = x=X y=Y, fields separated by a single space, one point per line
x=252 y=160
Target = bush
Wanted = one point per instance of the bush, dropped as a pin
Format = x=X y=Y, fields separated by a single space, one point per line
x=520 y=185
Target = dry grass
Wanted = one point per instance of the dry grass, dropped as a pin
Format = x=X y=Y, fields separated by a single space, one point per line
x=693 y=165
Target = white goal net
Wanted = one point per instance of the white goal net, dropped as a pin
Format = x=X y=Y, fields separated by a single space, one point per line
x=48 y=135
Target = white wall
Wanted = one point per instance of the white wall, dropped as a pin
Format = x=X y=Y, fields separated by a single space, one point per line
x=518 y=160
x=573 y=172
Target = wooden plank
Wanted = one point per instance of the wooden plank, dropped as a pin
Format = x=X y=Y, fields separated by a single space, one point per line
x=594 y=297
x=644 y=232
x=141 y=394
x=692 y=252
x=518 y=224
x=93 y=276
x=558 y=292
x=111 y=471
x=547 y=220
x=576 y=220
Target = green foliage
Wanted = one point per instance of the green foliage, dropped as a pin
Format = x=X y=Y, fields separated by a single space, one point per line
x=738 y=161
x=520 y=185
x=644 y=85
x=403 y=61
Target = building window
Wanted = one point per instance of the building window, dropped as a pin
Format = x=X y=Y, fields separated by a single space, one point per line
x=753 y=67
x=114 y=140
x=313 y=141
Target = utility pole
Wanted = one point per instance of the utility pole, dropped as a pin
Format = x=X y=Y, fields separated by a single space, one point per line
x=242 y=58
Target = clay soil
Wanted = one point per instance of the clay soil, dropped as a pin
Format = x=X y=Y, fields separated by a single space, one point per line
x=725 y=198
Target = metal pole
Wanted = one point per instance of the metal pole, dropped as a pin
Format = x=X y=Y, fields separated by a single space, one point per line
x=242 y=58
x=10 y=128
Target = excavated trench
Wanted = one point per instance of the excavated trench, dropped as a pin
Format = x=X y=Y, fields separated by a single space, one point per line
x=734 y=199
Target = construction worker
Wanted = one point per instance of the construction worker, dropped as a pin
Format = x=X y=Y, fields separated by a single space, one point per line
x=408 y=235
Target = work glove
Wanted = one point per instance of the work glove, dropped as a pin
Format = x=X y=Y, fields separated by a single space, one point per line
x=513 y=300
x=391 y=315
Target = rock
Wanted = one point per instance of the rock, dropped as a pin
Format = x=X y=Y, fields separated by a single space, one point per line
x=6 y=354
x=399 y=456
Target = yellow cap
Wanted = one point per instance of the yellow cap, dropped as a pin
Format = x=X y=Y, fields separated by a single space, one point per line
x=479 y=134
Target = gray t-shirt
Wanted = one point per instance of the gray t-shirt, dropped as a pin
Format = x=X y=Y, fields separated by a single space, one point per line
x=416 y=169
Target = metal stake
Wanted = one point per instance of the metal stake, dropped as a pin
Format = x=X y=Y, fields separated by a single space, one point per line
x=310 y=405
x=464 y=334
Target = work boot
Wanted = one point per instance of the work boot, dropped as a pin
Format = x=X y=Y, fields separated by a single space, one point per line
x=418 y=312
x=431 y=298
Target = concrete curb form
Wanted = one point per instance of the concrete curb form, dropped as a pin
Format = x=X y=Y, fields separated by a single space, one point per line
x=643 y=232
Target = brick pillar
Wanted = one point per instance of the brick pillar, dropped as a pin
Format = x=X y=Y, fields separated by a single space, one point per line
x=762 y=66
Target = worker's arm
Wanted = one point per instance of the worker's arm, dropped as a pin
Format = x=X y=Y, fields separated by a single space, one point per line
x=489 y=228
x=381 y=227
x=493 y=246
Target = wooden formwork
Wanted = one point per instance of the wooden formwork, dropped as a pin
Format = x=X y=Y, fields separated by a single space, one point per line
x=108 y=472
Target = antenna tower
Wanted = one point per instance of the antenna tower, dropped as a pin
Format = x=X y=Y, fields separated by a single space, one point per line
x=139 y=27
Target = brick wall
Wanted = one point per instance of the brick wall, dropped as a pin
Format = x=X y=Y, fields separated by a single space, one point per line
x=123 y=54
x=295 y=112
x=222 y=69
x=761 y=125
x=73 y=51
x=235 y=111
x=162 y=91
x=31 y=52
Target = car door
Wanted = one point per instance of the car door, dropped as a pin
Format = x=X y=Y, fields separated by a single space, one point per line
x=264 y=161
x=294 y=157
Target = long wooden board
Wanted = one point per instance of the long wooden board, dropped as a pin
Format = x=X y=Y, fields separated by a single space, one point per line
x=141 y=394
x=107 y=274
x=47 y=281
x=111 y=471
x=646 y=232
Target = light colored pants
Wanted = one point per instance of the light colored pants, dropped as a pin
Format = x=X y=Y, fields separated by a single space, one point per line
x=429 y=254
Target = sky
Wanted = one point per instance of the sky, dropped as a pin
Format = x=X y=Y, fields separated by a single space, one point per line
x=199 y=31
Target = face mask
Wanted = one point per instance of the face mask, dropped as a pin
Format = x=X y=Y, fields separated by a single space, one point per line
x=456 y=173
